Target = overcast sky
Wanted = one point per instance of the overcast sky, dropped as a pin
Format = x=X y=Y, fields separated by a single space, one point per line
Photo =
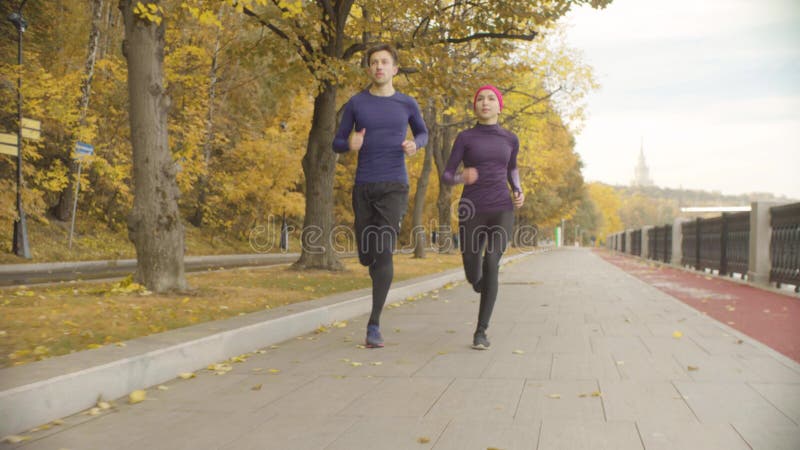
x=712 y=86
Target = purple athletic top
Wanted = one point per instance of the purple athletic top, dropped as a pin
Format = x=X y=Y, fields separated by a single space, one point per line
x=386 y=119
x=493 y=151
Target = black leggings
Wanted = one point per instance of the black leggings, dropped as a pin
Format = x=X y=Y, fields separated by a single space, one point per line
x=483 y=239
x=378 y=208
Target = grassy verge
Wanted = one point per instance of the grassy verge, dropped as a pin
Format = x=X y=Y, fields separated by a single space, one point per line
x=94 y=241
x=41 y=322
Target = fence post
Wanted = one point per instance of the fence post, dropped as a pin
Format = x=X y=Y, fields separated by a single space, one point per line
x=628 y=241
x=645 y=254
x=723 y=243
x=758 y=263
x=677 y=240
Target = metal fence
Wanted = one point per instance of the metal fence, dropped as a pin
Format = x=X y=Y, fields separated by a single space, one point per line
x=659 y=243
x=736 y=239
x=636 y=242
x=784 y=246
x=722 y=244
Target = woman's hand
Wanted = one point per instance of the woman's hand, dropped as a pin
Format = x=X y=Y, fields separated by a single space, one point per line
x=469 y=175
x=519 y=199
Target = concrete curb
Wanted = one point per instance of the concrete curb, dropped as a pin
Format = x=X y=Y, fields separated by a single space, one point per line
x=37 y=393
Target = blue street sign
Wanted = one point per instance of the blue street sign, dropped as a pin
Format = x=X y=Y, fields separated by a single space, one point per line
x=82 y=148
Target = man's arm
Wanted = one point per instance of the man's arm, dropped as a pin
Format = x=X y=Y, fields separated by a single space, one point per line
x=418 y=127
x=340 y=141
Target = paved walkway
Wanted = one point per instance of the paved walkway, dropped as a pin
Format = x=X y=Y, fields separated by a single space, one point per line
x=584 y=356
x=771 y=317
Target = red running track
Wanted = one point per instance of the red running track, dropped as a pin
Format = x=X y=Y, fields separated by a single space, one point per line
x=769 y=317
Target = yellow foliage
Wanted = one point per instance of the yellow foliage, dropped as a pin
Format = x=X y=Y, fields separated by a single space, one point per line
x=608 y=204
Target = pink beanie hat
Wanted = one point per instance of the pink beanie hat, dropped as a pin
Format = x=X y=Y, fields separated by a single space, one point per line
x=490 y=88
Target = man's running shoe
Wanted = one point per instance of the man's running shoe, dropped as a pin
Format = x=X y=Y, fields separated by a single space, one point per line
x=479 y=341
x=374 y=338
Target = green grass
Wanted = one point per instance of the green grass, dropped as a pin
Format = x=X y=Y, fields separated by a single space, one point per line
x=94 y=241
x=41 y=322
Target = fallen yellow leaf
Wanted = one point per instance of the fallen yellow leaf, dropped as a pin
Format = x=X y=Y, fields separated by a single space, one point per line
x=356 y=364
x=103 y=405
x=15 y=439
x=555 y=396
x=161 y=387
x=423 y=440
x=518 y=352
x=137 y=396
x=691 y=368
x=274 y=371
x=256 y=387
x=186 y=375
x=44 y=427
x=376 y=363
x=677 y=335
x=93 y=412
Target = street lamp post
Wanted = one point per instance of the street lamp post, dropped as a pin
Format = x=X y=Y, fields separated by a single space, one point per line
x=20 y=246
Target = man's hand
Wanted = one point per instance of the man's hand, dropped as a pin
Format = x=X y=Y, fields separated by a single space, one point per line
x=519 y=199
x=469 y=175
x=357 y=140
x=409 y=147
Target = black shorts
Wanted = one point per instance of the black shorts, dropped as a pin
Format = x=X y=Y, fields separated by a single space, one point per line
x=379 y=209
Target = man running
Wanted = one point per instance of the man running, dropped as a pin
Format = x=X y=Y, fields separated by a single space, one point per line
x=374 y=123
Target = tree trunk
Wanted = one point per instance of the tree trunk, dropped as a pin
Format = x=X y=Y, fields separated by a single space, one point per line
x=420 y=232
x=319 y=165
x=63 y=210
x=444 y=200
x=154 y=224
x=202 y=182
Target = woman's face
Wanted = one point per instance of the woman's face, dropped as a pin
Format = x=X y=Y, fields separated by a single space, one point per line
x=487 y=107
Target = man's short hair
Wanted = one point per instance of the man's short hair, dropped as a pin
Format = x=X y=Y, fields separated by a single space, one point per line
x=384 y=47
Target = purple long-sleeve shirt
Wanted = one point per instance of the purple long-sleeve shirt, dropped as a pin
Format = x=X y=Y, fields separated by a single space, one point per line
x=492 y=150
x=381 y=157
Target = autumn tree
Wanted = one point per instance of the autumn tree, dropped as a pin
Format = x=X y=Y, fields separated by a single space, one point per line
x=154 y=223
x=328 y=35
x=608 y=204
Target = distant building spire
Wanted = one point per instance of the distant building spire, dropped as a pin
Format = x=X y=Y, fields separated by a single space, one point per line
x=641 y=174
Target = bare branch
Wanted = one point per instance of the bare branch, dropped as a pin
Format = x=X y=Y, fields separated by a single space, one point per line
x=476 y=36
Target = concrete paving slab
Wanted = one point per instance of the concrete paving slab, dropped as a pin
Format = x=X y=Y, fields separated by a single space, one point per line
x=715 y=402
x=640 y=400
x=658 y=435
x=471 y=398
x=485 y=434
x=399 y=397
x=297 y=432
x=785 y=397
x=584 y=366
x=390 y=433
x=325 y=395
x=769 y=436
x=589 y=435
x=560 y=400
x=519 y=365
x=658 y=367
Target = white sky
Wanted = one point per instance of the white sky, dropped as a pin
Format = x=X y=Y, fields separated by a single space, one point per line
x=712 y=86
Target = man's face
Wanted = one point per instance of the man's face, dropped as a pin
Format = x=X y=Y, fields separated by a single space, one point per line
x=381 y=67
